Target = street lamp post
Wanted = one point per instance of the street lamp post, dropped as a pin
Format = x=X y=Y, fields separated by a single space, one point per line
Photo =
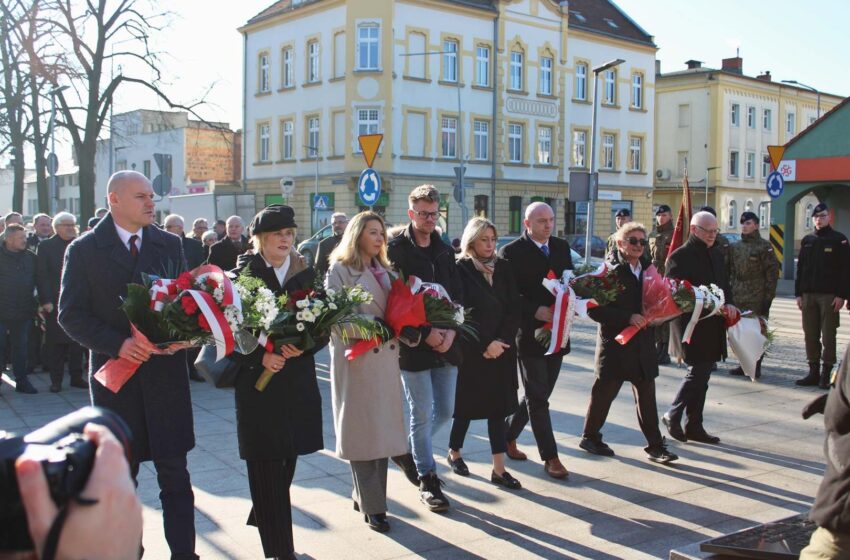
x=804 y=86
x=53 y=192
x=314 y=216
x=593 y=181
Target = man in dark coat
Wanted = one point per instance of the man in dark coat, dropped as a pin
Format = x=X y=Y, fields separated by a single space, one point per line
x=155 y=402
x=58 y=347
x=634 y=361
x=42 y=230
x=700 y=263
x=17 y=304
x=327 y=245
x=225 y=252
x=531 y=257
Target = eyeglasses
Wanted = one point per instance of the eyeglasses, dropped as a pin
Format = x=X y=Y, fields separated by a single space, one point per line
x=425 y=215
x=822 y=215
x=636 y=241
x=709 y=231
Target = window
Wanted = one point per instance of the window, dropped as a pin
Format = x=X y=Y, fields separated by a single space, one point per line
x=544 y=145
x=733 y=163
x=767 y=119
x=751 y=165
x=146 y=166
x=313 y=137
x=581 y=81
x=635 y=153
x=313 y=61
x=481 y=204
x=481 y=133
x=751 y=117
x=809 y=210
x=735 y=115
x=607 y=151
x=416 y=64
x=482 y=66
x=765 y=166
x=367 y=46
x=450 y=60
x=610 y=87
x=516 y=71
x=637 y=91
x=449 y=137
x=288 y=70
x=764 y=215
x=514 y=142
x=681 y=163
x=264 y=73
x=546 y=75
x=339 y=133
x=416 y=134
x=264 y=142
x=367 y=121
x=684 y=116
x=733 y=214
x=288 y=140
x=790 y=123
x=514 y=214
x=579 y=148
x=339 y=55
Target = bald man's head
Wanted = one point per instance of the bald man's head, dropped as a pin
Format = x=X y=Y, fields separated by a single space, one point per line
x=235 y=226
x=130 y=197
x=539 y=221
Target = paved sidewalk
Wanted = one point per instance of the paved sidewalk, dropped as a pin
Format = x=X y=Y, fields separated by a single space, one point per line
x=768 y=467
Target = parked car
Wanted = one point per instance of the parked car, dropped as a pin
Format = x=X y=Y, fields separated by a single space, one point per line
x=732 y=237
x=597 y=244
x=309 y=247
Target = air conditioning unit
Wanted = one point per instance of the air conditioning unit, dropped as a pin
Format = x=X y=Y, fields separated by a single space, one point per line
x=663 y=174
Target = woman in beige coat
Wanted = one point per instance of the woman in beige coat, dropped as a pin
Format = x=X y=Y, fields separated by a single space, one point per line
x=367 y=393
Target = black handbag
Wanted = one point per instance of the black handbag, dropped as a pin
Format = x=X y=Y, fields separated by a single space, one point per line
x=221 y=373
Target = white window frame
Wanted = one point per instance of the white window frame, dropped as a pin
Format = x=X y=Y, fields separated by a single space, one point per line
x=448 y=137
x=544 y=145
x=735 y=115
x=791 y=123
x=733 y=214
x=579 y=148
x=265 y=142
x=516 y=62
x=609 y=143
x=750 y=165
x=546 y=75
x=515 y=134
x=482 y=66
x=288 y=140
x=734 y=163
x=581 y=81
x=368 y=120
x=765 y=166
x=610 y=87
x=809 y=210
x=369 y=45
x=481 y=134
x=265 y=73
x=313 y=53
x=637 y=90
x=767 y=119
x=450 y=60
x=313 y=138
x=635 y=153
x=288 y=62
x=751 y=117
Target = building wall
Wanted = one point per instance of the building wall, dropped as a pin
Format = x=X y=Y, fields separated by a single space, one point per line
x=209 y=155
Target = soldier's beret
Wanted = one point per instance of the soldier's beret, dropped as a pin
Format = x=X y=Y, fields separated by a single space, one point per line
x=623 y=213
x=709 y=209
x=749 y=216
x=272 y=218
x=822 y=207
x=663 y=208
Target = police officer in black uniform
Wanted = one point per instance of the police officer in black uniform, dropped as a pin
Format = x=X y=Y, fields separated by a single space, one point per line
x=822 y=286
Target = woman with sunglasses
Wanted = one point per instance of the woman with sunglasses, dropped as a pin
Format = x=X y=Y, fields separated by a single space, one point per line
x=635 y=361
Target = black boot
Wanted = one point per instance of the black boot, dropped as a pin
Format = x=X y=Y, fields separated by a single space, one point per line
x=825 y=376
x=812 y=379
x=758 y=367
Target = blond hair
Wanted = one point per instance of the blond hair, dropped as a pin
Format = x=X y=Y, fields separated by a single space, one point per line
x=258 y=238
x=473 y=230
x=348 y=250
x=628 y=228
x=428 y=193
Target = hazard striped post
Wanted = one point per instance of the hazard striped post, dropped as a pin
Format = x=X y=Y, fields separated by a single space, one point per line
x=777 y=240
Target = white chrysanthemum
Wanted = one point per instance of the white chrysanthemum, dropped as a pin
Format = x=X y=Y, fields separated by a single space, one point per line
x=331 y=292
x=300 y=327
x=302 y=303
x=309 y=316
x=332 y=306
x=218 y=294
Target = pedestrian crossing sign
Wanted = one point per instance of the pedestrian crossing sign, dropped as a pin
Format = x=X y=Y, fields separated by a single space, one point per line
x=320 y=202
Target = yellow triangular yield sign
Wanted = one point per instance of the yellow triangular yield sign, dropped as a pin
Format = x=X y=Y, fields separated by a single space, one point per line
x=776 y=153
x=370 y=143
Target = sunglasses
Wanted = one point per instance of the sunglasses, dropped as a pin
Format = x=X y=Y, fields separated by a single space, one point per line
x=636 y=241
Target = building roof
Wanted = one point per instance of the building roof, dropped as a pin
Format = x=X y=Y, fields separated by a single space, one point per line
x=604 y=17
x=706 y=70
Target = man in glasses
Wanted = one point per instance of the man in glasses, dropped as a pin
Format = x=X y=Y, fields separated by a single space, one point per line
x=659 y=246
x=428 y=367
x=699 y=264
x=821 y=288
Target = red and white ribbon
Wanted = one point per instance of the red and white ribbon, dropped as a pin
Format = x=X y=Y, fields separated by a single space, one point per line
x=264 y=341
x=162 y=291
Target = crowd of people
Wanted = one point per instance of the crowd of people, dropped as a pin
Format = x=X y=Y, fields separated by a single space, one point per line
x=390 y=403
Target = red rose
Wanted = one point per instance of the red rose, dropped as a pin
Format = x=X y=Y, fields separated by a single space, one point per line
x=211 y=284
x=184 y=281
x=203 y=323
x=190 y=306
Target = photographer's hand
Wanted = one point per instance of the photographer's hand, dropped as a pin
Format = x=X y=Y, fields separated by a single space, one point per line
x=111 y=528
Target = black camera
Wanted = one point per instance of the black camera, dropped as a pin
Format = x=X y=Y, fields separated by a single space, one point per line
x=66 y=456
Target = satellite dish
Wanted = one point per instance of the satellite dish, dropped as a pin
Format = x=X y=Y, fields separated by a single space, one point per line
x=287 y=186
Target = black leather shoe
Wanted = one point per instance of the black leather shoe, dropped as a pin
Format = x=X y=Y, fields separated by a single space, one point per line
x=377 y=522
x=505 y=479
x=660 y=453
x=596 y=447
x=812 y=379
x=79 y=383
x=431 y=493
x=674 y=429
x=702 y=436
x=24 y=386
x=408 y=467
x=458 y=465
x=825 y=377
x=195 y=376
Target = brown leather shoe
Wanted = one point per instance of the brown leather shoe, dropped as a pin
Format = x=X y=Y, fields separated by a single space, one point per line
x=515 y=453
x=555 y=469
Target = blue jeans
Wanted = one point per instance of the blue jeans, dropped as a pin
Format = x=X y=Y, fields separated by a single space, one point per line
x=431 y=400
x=18 y=330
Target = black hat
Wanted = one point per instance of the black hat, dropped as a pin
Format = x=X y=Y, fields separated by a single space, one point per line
x=663 y=208
x=623 y=213
x=709 y=209
x=822 y=207
x=745 y=216
x=272 y=218
x=93 y=221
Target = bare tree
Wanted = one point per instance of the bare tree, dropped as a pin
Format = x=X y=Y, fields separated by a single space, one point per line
x=14 y=96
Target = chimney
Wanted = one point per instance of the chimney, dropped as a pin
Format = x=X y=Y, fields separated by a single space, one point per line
x=734 y=65
x=657 y=67
x=766 y=76
x=692 y=64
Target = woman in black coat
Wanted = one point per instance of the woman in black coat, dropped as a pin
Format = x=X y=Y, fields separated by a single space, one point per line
x=285 y=420
x=487 y=380
x=636 y=361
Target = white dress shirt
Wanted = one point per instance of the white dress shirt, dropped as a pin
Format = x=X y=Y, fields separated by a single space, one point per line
x=125 y=237
x=280 y=271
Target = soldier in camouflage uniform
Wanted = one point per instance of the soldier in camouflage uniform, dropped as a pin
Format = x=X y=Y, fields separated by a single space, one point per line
x=754 y=272
x=623 y=216
x=659 y=245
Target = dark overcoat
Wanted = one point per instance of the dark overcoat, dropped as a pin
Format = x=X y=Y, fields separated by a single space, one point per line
x=155 y=402
x=530 y=266
x=488 y=388
x=17 y=284
x=194 y=251
x=285 y=419
x=636 y=360
x=50 y=257
x=224 y=253
x=700 y=265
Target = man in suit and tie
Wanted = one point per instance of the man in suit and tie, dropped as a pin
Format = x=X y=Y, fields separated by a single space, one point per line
x=225 y=252
x=155 y=402
x=532 y=256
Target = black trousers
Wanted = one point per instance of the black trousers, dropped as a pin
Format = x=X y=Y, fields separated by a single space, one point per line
x=604 y=392
x=539 y=375
x=57 y=353
x=178 y=505
x=271 y=513
x=690 y=399
x=495 y=430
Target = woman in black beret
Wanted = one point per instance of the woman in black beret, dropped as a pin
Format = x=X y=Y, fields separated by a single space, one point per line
x=285 y=420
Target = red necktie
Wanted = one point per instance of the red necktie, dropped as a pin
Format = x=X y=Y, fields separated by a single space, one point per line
x=134 y=249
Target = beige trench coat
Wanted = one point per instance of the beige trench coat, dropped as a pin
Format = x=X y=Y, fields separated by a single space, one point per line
x=366 y=392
